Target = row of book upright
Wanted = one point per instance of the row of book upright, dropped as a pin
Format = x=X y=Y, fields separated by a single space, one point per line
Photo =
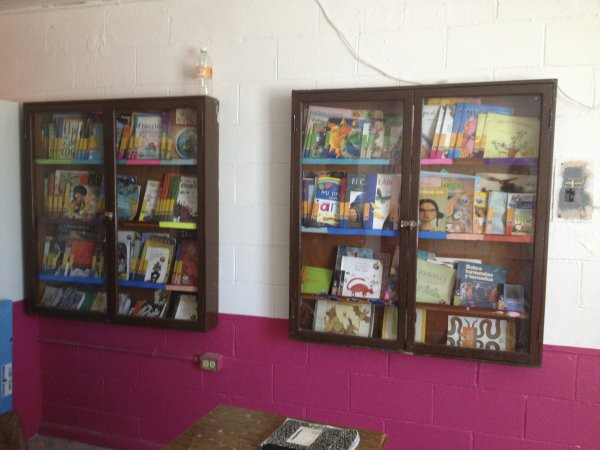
x=167 y=135
x=357 y=134
x=484 y=203
x=74 y=299
x=161 y=304
x=463 y=128
x=350 y=200
x=73 y=137
x=174 y=199
x=156 y=258
x=74 y=251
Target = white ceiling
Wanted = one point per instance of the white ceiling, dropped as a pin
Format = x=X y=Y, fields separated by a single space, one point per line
x=16 y=5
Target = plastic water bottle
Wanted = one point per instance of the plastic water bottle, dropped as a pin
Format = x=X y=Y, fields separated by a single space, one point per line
x=204 y=73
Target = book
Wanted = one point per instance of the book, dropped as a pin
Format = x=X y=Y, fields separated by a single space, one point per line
x=433 y=204
x=188 y=273
x=479 y=211
x=362 y=276
x=511 y=136
x=82 y=257
x=315 y=280
x=382 y=201
x=512 y=298
x=459 y=209
x=156 y=307
x=389 y=329
x=420 y=324
x=186 y=307
x=128 y=197
x=428 y=122
x=443 y=150
x=147 y=136
x=495 y=220
x=326 y=205
x=300 y=434
x=125 y=242
x=354 y=319
x=338 y=275
x=473 y=139
x=481 y=333
x=435 y=282
x=186 y=203
x=435 y=146
x=392 y=139
x=149 y=201
x=156 y=261
x=354 y=200
x=478 y=285
x=182 y=134
x=520 y=213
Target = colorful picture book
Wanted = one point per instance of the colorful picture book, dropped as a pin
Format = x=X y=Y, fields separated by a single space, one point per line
x=362 y=277
x=128 y=197
x=354 y=319
x=480 y=333
x=478 y=285
x=326 y=207
x=520 y=210
x=382 y=201
x=495 y=221
x=511 y=136
x=435 y=282
x=315 y=280
x=433 y=207
x=512 y=298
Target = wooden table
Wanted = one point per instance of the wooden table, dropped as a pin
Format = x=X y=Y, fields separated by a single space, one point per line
x=228 y=427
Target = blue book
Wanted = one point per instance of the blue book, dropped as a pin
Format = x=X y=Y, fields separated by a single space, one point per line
x=478 y=285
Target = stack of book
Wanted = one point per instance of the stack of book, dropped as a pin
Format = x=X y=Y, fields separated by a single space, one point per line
x=73 y=137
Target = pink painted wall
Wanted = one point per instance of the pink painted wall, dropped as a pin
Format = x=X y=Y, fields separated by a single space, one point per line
x=137 y=388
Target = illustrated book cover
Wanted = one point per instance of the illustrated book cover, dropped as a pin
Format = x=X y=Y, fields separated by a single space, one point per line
x=478 y=285
x=354 y=319
x=382 y=201
x=435 y=282
x=315 y=280
x=149 y=201
x=495 y=220
x=481 y=333
x=511 y=136
x=479 y=211
x=459 y=208
x=182 y=134
x=433 y=207
x=186 y=203
x=520 y=210
x=338 y=274
x=362 y=277
x=187 y=307
x=428 y=121
x=128 y=197
x=512 y=298
x=147 y=136
x=354 y=200
x=326 y=207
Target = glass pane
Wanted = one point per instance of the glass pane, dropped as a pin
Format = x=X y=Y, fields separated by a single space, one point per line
x=157 y=211
x=68 y=188
x=349 y=219
x=477 y=202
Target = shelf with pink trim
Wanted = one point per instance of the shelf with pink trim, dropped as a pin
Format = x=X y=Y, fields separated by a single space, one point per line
x=161 y=286
x=480 y=161
x=78 y=162
x=526 y=238
x=339 y=298
x=349 y=161
x=157 y=162
x=349 y=231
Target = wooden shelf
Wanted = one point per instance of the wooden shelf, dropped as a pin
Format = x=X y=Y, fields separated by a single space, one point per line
x=348 y=162
x=474 y=312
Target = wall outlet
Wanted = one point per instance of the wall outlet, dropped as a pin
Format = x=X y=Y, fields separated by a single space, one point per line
x=213 y=362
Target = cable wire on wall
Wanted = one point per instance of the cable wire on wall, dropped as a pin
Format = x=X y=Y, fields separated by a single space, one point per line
x=346 y=43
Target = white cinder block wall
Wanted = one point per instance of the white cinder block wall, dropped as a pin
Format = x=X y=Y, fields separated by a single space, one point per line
x=263 y=49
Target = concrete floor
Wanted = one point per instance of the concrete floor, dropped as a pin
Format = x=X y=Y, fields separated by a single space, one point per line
x=50 y=443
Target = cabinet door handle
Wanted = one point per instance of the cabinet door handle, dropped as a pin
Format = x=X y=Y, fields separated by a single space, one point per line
x=408 y=224
x=109 y=215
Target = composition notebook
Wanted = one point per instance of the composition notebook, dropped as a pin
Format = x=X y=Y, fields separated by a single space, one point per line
x=299 y=434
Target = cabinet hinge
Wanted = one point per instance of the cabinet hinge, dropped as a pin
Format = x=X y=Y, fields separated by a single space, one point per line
x=294 y=122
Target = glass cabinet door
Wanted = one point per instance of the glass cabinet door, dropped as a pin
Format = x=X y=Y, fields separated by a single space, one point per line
x=347 y=162
x=157 y=248
x=483 y=179
x=67 y=184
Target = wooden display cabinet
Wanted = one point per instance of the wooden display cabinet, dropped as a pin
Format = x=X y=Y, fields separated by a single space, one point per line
x=448 y=254
x=121 y=206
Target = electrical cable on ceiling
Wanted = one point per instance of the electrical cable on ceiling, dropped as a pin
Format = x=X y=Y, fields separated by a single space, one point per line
x=355 y=55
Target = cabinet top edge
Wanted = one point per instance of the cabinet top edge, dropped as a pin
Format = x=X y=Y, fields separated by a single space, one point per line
x=441 y=86
x=107 y=101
